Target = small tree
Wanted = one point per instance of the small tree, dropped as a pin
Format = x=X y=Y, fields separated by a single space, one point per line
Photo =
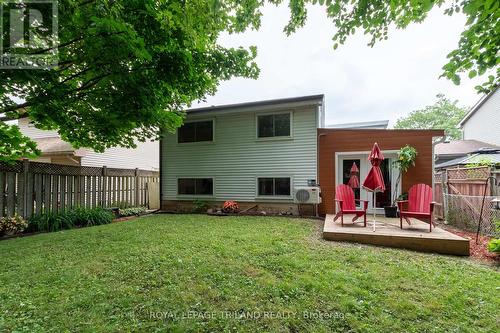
x=443 y=114
x=406 y=159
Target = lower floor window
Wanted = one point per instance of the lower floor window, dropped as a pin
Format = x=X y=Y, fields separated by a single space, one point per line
x=274 y=186
x=195 y=186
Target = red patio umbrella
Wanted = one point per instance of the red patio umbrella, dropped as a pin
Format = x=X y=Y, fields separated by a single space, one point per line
x=374 y=181
x=353 y=180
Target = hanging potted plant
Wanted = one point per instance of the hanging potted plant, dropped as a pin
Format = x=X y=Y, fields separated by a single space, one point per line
x=406 y=159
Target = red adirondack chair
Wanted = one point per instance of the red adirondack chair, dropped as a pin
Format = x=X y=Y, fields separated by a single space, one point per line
x=419 y=205
x=344 y=196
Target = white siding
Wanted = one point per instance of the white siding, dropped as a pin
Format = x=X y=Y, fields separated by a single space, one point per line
x=484 y=124
x=145 y=157
x=28 y=129
x=237 y=158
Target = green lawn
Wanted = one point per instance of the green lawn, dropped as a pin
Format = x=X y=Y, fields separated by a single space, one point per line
x=197 y=273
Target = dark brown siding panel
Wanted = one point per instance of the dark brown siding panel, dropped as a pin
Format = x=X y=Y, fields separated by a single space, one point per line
x=332 y=141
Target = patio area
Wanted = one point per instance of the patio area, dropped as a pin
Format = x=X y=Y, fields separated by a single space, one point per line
x=388 y=233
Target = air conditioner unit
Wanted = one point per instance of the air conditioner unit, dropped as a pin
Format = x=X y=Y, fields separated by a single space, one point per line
x=307 y=195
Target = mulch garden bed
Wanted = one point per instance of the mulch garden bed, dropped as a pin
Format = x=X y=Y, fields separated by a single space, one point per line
x=478 y=250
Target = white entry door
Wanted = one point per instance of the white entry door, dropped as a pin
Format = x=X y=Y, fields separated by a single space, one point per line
x=344 y=162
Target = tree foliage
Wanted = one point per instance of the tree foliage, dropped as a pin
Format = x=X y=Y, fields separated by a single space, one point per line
x=444 y=114
x=407 y=156
x=127 y=69
x=478 y=48
x=14 y=145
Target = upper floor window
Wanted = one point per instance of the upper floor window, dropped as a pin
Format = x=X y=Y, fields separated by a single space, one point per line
x=274 y=125
x=196 y=131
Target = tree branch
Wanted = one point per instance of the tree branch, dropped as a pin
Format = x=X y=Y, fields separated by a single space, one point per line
x=14 y=108
x=60 y=46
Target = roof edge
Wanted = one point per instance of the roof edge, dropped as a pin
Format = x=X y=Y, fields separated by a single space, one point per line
x=314 y=99
x=476 y=106
x=360 y=124
x=434 y=132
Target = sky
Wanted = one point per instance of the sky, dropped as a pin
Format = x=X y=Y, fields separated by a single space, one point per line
x=360 y=83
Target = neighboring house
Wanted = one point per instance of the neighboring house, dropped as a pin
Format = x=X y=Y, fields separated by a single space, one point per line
x=480 y=157
x=55 y=150
x=459 y=149
x=257 y=153
x=379 y=124
x=483 y=120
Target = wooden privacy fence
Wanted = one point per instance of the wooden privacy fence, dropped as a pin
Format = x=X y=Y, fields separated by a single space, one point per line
x=28 y=188
x=438 y=196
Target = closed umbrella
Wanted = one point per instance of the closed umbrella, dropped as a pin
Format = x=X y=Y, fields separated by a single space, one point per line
x=353 y=180
x=374 y=181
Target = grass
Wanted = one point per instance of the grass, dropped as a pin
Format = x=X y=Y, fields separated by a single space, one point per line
x=197 y=273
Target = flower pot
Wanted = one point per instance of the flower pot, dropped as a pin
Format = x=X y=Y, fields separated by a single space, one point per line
x=391 y=211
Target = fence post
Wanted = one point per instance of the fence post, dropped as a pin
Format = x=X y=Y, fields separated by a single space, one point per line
x=23 y=201
x=444 y=188
x=104 y=185
x=78 y=188
x=136 y=176
x=491 y=182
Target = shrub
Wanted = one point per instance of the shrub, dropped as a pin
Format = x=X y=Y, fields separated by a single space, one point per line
x=121 y=204
x=12 y=225
x=406 y=159
x=77 y=217
x=200 y=206
x=496 y=226
x=494 y=246
x=132 y=211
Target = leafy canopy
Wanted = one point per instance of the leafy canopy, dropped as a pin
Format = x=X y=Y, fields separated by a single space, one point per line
x=127 y=69
x=14 y=145
x=444 y=114
x=478 y=51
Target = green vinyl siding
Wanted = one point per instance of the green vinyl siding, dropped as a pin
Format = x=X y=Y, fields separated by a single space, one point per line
x=236 y=157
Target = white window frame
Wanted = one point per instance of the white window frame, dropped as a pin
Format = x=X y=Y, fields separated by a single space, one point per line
x=194 y=196
x=198 y=142
x=288 y=137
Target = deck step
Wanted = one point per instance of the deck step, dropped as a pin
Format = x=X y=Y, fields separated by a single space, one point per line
x=388 y=233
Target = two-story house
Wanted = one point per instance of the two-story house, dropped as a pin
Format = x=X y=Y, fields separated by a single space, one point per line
x=249 y=152
x=258 y=153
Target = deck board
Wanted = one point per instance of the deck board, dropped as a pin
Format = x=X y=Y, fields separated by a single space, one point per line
x=388 y=233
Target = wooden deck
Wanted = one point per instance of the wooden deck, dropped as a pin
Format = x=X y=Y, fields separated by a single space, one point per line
x=388 y=233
